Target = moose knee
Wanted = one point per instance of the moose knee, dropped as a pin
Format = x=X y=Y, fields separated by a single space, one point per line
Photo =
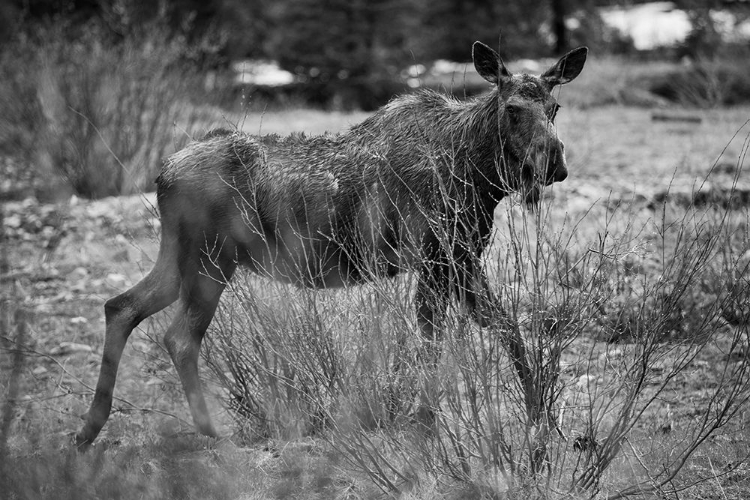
x=121 y=309
x=174 y=344
x=180 y=344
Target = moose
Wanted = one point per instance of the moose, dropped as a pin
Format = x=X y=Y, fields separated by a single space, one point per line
x=411 y=188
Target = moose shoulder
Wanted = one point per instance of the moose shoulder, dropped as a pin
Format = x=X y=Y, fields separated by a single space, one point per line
x=413 y=187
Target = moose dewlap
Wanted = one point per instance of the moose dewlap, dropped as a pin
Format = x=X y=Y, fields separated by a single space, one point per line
x=413 y=187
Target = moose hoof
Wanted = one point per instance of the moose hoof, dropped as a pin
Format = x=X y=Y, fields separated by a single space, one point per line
x=425 y=419
x=81 y=442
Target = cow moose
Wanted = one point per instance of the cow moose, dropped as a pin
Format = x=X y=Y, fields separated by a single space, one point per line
x=413 y=187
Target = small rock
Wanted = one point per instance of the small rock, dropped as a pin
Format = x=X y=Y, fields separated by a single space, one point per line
x=12 y=221
x=611 y=354
x=79 y=273
x=39 y=370
x=585 y=380
x=78 y=320
x=116 y=280
x=48 y=232
x=139 y=346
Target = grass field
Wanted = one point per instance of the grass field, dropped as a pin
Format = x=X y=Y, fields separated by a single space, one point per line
x=631 y=186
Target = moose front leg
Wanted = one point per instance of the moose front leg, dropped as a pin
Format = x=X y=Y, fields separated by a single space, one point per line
x=432 y=299
x=441 y=280
x=463 y=279
x=473 y=293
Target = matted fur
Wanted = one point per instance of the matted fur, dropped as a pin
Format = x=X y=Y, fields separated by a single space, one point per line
x=414 y=186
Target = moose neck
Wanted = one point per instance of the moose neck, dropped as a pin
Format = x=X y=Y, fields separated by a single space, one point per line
x=482 y=143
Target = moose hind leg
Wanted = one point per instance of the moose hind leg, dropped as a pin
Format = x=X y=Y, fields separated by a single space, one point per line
x=199 y=298
x=123 y=313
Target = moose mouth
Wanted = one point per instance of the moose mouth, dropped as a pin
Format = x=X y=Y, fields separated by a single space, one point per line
x=530 y=188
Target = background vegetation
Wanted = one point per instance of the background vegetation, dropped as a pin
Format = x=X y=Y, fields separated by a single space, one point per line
x=630 y=288
x=96 y=93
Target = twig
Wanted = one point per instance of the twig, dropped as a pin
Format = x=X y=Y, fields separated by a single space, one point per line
x=13 y=384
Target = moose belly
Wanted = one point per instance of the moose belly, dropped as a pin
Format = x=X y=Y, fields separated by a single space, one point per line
x=319 y=262
x=323 y=248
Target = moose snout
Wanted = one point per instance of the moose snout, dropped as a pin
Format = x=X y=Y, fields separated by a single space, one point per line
x=560 y=173
x=557 y=168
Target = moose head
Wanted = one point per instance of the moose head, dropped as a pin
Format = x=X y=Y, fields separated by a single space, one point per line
x=532 y=153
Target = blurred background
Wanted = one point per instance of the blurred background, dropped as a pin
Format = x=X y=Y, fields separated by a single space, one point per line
x=93 y=90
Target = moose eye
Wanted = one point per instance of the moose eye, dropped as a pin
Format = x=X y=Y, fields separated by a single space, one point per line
x=512 y=110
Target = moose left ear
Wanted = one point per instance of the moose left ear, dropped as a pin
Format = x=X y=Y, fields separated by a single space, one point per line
x=567 y=68
x=488 y=63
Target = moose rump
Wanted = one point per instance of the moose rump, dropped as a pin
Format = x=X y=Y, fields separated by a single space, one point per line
x=413 y=187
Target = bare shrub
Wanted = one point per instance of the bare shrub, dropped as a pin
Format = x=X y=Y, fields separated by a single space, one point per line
x=101 y=116
x=574 y=391
x=287 y=355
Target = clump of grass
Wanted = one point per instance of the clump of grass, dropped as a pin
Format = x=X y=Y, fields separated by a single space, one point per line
x=160 y=469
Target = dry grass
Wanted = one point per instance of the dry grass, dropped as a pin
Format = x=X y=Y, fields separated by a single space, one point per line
x=618 y=156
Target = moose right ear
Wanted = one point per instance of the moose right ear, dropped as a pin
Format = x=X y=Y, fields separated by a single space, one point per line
x=567 y=68
x=488 y=63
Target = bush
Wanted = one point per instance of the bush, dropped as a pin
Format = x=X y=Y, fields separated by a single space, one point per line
x=535 y=403
x=101 y=117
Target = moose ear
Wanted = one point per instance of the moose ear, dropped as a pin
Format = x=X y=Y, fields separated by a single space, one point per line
x=488 y=63
x=567 y=68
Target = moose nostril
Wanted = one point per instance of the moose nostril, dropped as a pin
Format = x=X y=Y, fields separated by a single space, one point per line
x=527 y=172
x=557 y=173
x=560 y=174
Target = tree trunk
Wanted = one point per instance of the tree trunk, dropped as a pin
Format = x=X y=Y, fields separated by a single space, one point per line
x=558 y=26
